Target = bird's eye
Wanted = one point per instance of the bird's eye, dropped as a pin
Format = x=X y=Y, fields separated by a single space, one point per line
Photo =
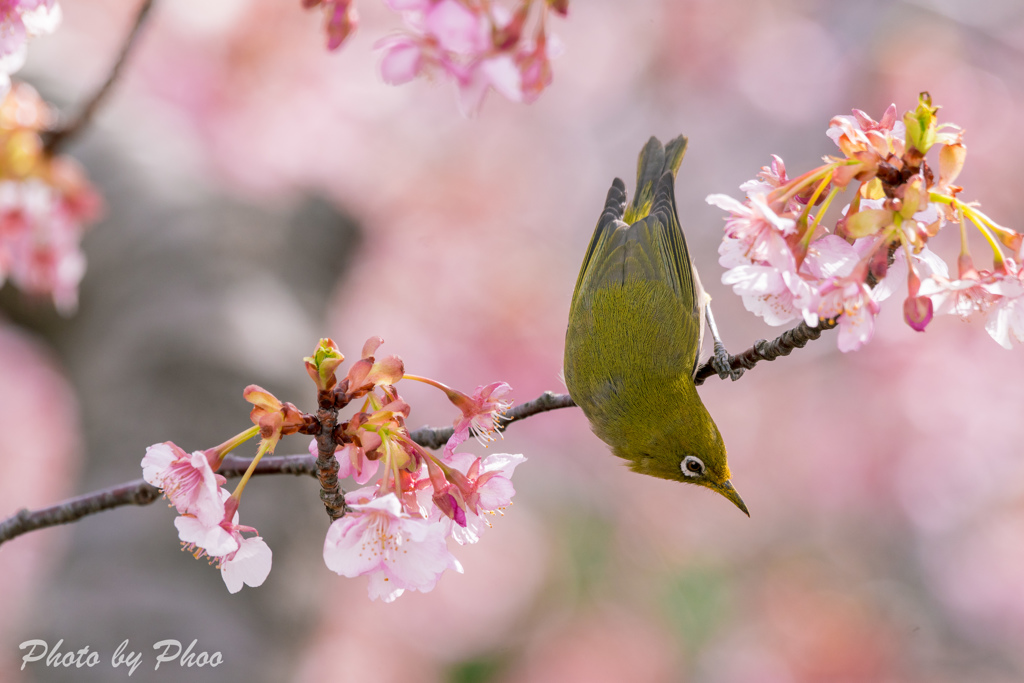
x=692 y=466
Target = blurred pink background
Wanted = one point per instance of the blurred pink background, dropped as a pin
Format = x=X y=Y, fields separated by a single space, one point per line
x=263 y=193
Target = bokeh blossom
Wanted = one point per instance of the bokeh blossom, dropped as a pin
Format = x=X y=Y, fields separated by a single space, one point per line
x=19 y=21
x=480 y=46
x=786 y=265
x=45 y=205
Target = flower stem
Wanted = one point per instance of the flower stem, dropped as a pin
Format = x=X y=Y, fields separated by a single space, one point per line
x=234 y=442
x=265 y=446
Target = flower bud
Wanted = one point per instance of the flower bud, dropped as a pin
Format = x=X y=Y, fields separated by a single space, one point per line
x=921 y=124
x=322 y=364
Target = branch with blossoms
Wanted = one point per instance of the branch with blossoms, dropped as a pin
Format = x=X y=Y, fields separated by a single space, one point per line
x=484 y=415
x=786 y=265
x=393 y=529
x=780 y=259
x=141 y=492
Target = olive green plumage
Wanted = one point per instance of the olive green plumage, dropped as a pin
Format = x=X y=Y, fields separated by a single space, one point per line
x=635 y=329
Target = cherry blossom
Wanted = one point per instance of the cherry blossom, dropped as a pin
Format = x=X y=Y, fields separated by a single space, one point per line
x=785 y=263
x=242 y=560
x=188 y=481
x=19 y=21
x=398 y=552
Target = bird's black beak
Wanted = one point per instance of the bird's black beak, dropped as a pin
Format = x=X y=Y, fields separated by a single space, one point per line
x=726 y=489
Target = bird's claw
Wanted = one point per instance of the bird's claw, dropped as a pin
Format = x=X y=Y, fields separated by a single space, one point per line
x=722 y=363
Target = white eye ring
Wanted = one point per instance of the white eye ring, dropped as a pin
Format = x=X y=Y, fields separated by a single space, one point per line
x=692 y=466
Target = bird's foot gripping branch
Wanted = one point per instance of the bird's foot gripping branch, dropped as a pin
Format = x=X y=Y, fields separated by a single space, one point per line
x=395 y=529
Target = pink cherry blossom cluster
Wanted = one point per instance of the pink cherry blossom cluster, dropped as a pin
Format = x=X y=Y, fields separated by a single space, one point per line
x=395 y=530
x=19 y=21
x=787 y=266
x=208 y=522
x=45 y=204
x=479 y=44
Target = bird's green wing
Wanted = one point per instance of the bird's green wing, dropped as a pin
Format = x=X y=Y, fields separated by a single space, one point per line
x=653 y=247
x=611 y=218
x=681 y=273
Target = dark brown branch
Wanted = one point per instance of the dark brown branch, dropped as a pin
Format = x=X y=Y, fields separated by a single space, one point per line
x=138 y=492
x=54 y=140
x=782 y=345
x=325 y=468
x=326 y=463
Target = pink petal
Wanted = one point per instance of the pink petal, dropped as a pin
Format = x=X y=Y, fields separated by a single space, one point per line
x=456 y=27
x=350 y=548
x=249 y=566
x=496 y=493
x=215 y=540
x=402 y=62
x=157 y=459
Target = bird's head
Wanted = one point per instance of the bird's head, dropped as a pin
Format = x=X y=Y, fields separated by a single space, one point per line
x=691 y=452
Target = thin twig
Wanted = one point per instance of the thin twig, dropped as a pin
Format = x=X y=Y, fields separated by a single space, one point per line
x=56 y=139
x=138 y=492
x=435 y=437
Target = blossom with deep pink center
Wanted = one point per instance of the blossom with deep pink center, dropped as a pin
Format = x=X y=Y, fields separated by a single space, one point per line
x=188 y=481
x=861 y=133
x=242 y=560
x=755 y=225
x=482 y=413
x=850 y=300
x=398 y=552
x=483 y=489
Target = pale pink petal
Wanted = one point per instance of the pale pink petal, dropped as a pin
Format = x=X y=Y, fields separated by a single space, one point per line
x=496 y=493
x=503 y=75
x=505 y=463
x=831 y=256
x=408 y=5
x=401 y=63
x=44 y=19
x=215 y=540
x=382 y=586
x=157 y=459
x=421 y=564
x=727 y=203
x=250 y=565
x=456 y=27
